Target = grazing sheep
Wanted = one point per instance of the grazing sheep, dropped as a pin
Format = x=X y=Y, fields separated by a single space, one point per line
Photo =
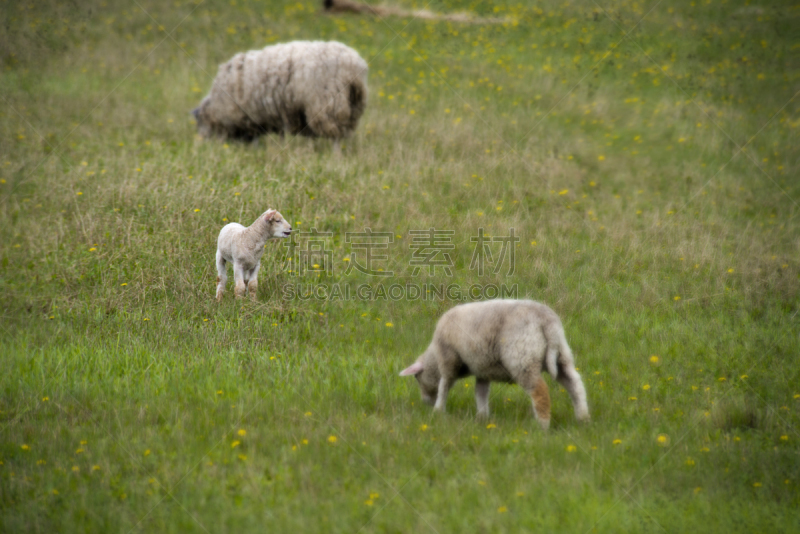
x=243 y=247
x=310 y=88
x=500 y=340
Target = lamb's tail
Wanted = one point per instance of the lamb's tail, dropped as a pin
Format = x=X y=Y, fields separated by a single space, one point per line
x=556 y=347
x=551 y=360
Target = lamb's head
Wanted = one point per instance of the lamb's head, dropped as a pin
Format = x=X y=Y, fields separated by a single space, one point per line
x=200 y=114
x=278 y=226
x=426 y=372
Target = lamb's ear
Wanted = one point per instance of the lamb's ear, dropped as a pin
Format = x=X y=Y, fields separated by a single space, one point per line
x=414 y=369
x=270 y=215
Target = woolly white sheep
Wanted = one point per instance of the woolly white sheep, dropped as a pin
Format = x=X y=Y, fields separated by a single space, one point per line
x=503 y=341
x=310 y=88
x=243 y=247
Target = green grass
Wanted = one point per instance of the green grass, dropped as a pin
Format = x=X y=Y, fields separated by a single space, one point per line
x=646 y=155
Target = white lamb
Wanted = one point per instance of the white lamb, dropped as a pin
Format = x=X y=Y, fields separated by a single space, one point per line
x=310 y=88
x=243 y=247
x=503 y=341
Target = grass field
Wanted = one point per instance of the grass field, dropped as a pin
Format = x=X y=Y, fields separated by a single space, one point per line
x=644 y=153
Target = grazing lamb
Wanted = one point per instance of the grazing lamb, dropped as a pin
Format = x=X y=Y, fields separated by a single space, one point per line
x=243 y=247
x=500 y=340
x=310 y=88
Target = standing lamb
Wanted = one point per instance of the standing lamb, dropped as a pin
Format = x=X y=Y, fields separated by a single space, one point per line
x=310 y=88
x=500 y=340
x=243 y=247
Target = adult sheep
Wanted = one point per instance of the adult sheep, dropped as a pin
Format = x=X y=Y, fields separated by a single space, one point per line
x=310 y=88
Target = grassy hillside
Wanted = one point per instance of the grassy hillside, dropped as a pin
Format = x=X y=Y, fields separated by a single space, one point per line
x=645 y=155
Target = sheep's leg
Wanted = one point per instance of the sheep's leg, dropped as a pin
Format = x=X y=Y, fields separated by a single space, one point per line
x=441 y=397
x=252 y=284
x=448 y=362
x=284 y=126
x=541 y=402
x=239 y=285
x=571 y=380
x=222 y=276
x=531 y=380
x=482 y=397
x=337 y=148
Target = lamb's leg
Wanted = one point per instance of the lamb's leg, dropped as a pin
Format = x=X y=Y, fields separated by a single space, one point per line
x=239 y=285
x=571 y=380
x=482 y=397
x=531 y=380
x=448 y=362
x=541 y=402
x=441 y=398
x=337 y=148
x=252 y=284
x=222 y=276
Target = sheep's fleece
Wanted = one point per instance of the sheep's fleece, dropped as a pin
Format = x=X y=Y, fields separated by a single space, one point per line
x=310 y=88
